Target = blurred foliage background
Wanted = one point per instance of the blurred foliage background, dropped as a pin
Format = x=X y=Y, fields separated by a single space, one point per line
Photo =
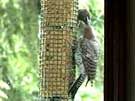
x=19 y=50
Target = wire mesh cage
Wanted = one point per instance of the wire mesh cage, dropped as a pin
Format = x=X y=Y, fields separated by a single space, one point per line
x=58 y=25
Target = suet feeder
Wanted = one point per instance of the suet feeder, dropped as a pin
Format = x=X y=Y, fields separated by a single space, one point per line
x=58 y=26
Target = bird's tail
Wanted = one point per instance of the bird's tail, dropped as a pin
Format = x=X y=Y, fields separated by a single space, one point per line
x=75 y=86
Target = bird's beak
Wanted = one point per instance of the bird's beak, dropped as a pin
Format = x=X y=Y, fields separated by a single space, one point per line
x=87 y=18
x=88 y=21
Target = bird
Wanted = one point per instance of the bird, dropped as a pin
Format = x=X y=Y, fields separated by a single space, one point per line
x=86 y=55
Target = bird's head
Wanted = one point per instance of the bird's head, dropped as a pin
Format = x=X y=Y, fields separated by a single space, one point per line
x=83 y=15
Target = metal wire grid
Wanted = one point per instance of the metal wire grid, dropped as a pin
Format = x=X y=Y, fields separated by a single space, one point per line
x=58 y=25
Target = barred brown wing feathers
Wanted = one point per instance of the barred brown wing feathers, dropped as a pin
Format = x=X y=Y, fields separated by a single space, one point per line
x=89 y=58
x=90 y=67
